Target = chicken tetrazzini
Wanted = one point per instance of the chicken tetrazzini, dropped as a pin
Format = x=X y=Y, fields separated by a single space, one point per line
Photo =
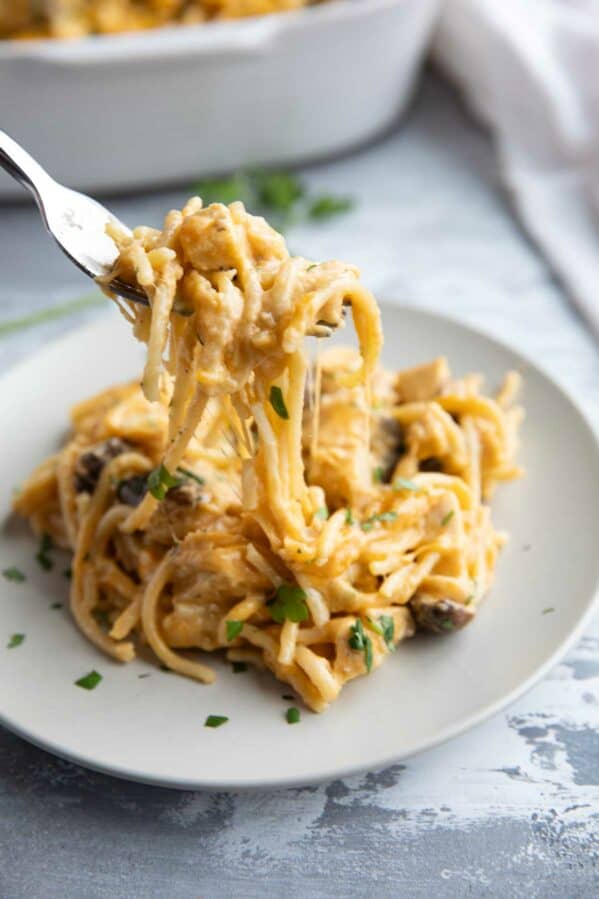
x=26 y=19
x=303 y=517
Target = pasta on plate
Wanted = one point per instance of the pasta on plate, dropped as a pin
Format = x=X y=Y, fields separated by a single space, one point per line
x=301 y=516
x=78 y=18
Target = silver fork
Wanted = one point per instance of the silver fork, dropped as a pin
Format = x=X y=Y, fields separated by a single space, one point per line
x=76 y=222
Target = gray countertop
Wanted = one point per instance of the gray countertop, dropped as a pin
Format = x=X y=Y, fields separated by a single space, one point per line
x=509 y=809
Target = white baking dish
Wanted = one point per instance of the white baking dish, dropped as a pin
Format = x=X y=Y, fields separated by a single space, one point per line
x=125 y=111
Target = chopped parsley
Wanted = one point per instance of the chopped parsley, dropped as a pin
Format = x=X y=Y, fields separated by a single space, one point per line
x=89 y=681
x=361 y=642
x=160 y=481
x=377 y=474
x=68 y=573
x=14 y=574
x=15 y=640
x=381 y=516
x=292 y=715
x=239 y=667
x=234 y=628
x=280 y=195
x=186 y=472
x=289 y=603
x=215 y=720
x=546 y=611
x=56 y=605
x=325 y=206
x=314 y=265
x=447 y=518
x=288 y=697
x=349 y=517
x=385 y=627
x=322 y=513
x=405 y=484
x=277 y=402
x=225 y=190
x=42 y=556
x=50 y=313
x=278 y=190
x=447 y=624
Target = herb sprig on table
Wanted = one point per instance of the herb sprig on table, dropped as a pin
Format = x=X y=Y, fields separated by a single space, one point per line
x=280 y=196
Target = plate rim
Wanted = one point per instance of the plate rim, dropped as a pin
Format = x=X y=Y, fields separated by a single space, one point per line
x=123 y=772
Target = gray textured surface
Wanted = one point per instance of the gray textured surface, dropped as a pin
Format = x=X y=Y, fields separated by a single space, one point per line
x=511 y=809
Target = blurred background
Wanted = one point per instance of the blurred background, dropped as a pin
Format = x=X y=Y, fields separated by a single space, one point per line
x=451 y=151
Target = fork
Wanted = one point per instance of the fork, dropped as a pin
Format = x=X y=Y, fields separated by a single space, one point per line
x=76 y=222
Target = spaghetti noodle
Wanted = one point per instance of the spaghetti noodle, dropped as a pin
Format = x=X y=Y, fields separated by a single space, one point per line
x=306 y=519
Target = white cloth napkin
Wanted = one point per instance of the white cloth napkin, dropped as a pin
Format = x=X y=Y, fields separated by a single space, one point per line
x=530 y=70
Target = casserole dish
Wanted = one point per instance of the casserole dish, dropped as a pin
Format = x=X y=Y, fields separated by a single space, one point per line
x=123 y=111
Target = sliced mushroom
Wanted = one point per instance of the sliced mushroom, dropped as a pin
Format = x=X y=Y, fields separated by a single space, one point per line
x=132 y=490
x=185 y=495
x=90 y=463
x=440 y=615
x=388 y=445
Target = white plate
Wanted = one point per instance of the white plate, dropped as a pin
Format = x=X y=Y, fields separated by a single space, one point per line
x=151 y=729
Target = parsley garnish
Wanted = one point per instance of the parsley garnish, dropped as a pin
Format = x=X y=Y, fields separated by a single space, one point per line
x=225 y=190
x=234 y=628
x=56 y=605
x=446 y=624
x=15 y=640
x=42 y=554
x=14 y=574
x=191 y=474
x=377 y=474
x=546 y=611
x=277 y=402
x=160 y=481
x=326 y=206
x=89 y=681
x=322 y=513
x=289 y=603
x=281 y=195
x=68 y=573
x=215 y=720
x=50 y=313
x=140 y=676
x=313 y=265
x=382 y=516
x=405 y=484
x=349 y=517
x=361 y=642
x=239 y=667
x=278 y=190
x=292 y=715
x=288 y=697
x=385 y=627
x=447 y=518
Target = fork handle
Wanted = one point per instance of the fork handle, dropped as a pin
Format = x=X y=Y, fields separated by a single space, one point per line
x=21 y=166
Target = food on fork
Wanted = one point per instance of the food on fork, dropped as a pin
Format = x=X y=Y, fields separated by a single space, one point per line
x=301 y=516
